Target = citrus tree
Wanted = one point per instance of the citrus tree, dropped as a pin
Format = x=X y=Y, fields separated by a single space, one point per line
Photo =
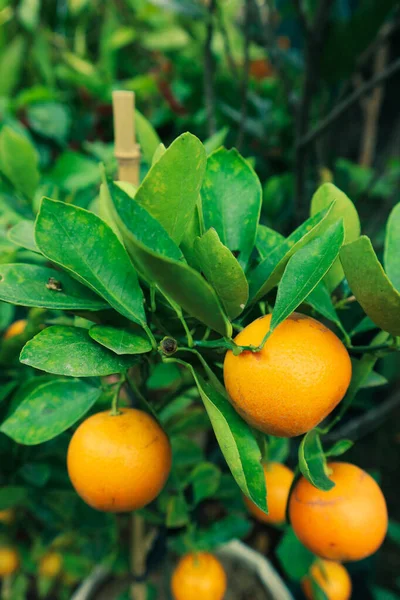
x=167 y=310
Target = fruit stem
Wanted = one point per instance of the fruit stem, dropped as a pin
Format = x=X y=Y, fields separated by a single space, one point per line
x=151 y=336
x=114 y=402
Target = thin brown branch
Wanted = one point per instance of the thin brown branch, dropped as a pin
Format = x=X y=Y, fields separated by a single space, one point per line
x=365 y=423
x=245 y=78
x=209 y=70
x=341 y=108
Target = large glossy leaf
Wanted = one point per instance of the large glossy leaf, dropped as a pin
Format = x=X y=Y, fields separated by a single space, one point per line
x=152 y=248
x=64 y=350
x=343 y=208
x=121 y=341
x=392 y=247
x=23 y=234
x=268 y=273
x=267 y=240
x=370 y=285
x=147 y=136
x=86 y=246
x=223 y=272
x=231 y=198
x=33 y=285
x=312 y=461
x=305 y=270
x=19 y=161
x=49 y=409
x=237 y=442
x=171 y=188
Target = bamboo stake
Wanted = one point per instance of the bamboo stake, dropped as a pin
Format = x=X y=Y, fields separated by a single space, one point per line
x=127 y=153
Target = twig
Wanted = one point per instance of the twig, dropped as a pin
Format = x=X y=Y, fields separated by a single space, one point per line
x=209 y=71
x=341 y=108
x=365 y=423
x=246 y=71
x=314 y=44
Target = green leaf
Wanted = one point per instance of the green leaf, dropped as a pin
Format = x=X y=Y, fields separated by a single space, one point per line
x=231 y=199
x=49 y=409
x=380 y=593
x=31 y=285
x=320 y=300
x=237 y=442
x=171 y=188
x=343 y=208
x=370 y=285
x=86 y=246
x=278 y=449
x=19 y=161
x=364 y=325
x=162 y=377
x=23 y=234
x=51 y=120
x=216 y=140
x=147 y=136
x=312 y=461
x=339 y=448
x=223 y=272
x=267 y=240
x=11 y=496
x=394 y=531
x=192 y=232
x=305 y=270
x=295 y=559
x=392 y=247
x=28 y=13
x=374 y=379
x=177 y=511
x=70 y=351
x=6 y=314
x=160 y=150
x=73 y=172
x=150 y=246
x=221 y=532
x=121 y=341
x=205 y=479
x=268 y=273
x=13 y=56
x=36 y=474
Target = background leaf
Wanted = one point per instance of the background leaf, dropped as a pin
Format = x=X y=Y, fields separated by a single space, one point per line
x=370 y=285
x=23 y=234
x=48 y=410
x=231 y=194
x=71 y=351
x=295 y=559
x=19 y=161
x=148 y=138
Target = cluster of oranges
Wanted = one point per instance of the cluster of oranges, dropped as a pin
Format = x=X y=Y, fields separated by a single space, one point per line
x=287 y=388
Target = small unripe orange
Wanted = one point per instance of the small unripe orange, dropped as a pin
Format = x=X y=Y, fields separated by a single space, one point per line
x=15 y=328
x=50 y=565
x=331 y=577
x=278 y=479
x=9 y=561
x=199 y=576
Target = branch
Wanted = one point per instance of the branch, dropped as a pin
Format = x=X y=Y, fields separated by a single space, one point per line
x=245 y=79
x=209 y=71
x=347 y=103
x=365 y=423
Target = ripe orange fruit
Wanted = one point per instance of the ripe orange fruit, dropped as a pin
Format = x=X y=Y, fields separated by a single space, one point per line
x=119 y=463
x=349 y=522
x=9 y=561
x=278 y=479
x=331 y=577
x=50 y=565
x=15 y=328
x=198 y=576
x=7 y=516
x=294 y=382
